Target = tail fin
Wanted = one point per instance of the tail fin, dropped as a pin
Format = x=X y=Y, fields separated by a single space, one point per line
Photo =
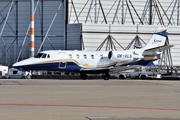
x=158 y=39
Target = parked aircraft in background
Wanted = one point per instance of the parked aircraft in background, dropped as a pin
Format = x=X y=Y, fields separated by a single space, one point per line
x=96 y=62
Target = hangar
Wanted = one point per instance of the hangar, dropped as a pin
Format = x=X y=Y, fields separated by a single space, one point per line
x=76 y=24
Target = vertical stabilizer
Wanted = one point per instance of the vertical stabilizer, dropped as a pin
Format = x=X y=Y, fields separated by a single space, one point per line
x=158 y=39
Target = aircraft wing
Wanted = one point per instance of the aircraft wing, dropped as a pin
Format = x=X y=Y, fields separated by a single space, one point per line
x=113 y=68
x=153 y=51
x=96 y=69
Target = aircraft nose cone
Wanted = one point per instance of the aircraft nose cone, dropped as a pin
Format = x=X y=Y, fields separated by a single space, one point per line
x=15 y=65
x=19 y=64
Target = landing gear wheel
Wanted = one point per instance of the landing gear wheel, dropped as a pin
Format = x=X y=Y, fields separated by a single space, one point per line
x=106 y=76
x=83 y=76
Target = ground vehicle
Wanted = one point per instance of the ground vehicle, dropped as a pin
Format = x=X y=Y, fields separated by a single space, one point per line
x=145 y=73
x=122 y=73
x=139 y=72
x=17 y=74
x=3 y=70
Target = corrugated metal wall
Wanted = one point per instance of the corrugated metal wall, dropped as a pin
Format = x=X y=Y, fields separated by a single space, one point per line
x=55 y=38
x=49 y=29
x=17 y=24
x=122 y=20
x=95 y=34
x=74 y=36
x=125 y=11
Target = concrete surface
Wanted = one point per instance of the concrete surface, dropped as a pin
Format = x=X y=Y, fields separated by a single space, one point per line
x=89 y=100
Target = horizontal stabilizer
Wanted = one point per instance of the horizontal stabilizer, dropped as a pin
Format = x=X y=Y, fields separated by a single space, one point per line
x=153 y=51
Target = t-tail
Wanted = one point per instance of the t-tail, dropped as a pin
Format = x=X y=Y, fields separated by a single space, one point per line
x=158 y=39
x=157 y=42
x=153 y=49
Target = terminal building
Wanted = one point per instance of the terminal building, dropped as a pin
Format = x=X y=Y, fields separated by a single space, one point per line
x=86 y=25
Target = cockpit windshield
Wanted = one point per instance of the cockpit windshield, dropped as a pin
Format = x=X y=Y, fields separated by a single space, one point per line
x=42 y=55
x=39 y=55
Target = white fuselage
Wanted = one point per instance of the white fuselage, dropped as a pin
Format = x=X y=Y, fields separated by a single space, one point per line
x=75 y=60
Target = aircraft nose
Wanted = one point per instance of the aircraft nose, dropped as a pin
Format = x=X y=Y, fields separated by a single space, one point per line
x=18 y=64
x=15 y=65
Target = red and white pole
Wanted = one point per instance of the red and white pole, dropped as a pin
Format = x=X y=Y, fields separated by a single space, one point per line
x=32 y=29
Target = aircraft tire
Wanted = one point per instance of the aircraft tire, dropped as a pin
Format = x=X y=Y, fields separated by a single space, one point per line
x=106 y=77
x=83 y=76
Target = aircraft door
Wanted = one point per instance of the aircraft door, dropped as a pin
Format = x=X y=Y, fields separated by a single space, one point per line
x=62 y=65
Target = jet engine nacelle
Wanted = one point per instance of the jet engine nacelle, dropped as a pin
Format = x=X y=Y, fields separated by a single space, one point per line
x=120 y=56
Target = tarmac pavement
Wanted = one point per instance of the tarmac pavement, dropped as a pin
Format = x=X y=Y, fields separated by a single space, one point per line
x=39 y=99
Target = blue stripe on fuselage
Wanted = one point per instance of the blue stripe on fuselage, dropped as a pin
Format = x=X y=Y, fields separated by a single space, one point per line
x=69 y=66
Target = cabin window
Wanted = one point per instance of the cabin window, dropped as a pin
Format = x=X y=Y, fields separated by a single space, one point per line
x=39 y=55
x=85 y=56
x=101 y=56
x=48 y=56
x=44 y=56
x=92 y=56
x=70 y=56
x=77 y=56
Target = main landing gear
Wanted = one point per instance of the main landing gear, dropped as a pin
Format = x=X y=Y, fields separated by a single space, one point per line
x=83 y=76
x=105 y=76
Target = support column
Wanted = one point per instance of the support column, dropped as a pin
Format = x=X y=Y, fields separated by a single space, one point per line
x=150 y=12
x=32 y=29
x=65 y=22
x=178 y=13
x=17 y=48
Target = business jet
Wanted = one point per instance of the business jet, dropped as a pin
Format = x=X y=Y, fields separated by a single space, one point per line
x=97 y=62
